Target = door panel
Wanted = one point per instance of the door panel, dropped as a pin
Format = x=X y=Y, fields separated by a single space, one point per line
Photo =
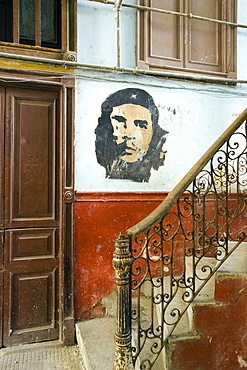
x=32 y=243
x=33 y=313
x=32 y=158
x=35 y=303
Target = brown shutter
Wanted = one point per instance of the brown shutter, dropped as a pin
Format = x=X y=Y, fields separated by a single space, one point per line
x=204 y=48
x=177 y=43
x=160 y=37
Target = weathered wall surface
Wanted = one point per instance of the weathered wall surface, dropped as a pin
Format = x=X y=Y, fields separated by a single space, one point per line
x=193 y=114
x=190 y=132
x=99 y=218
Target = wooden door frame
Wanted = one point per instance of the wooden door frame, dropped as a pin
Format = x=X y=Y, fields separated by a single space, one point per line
x=65 y=87
x=2 y=113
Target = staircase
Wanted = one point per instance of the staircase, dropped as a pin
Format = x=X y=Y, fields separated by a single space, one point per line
x=219 y=311
x=210 y=336
x=181 y=273
x=168 y=267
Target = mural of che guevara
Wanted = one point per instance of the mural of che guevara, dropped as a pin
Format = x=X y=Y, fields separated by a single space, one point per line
x=129 y=141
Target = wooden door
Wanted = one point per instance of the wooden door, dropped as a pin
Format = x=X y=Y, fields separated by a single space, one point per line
x=31 y=199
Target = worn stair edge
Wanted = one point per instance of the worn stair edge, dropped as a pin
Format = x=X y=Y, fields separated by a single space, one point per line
x=95 y=339
x=237 y=262
x=186 y=337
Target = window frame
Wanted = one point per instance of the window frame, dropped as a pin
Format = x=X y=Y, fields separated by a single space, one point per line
x=67 y=36
x=227 y=36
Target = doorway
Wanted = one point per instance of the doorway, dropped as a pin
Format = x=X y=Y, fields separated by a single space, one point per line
x=34 y=288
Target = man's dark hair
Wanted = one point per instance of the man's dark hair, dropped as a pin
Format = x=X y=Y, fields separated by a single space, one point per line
x=109 y=153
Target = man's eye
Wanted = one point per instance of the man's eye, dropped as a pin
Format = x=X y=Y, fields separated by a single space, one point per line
x=141 y=123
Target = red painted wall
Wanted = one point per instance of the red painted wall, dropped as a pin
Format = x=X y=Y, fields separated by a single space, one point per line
x=98 y=220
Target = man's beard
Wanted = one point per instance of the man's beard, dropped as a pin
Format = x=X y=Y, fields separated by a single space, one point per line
x=138 y=171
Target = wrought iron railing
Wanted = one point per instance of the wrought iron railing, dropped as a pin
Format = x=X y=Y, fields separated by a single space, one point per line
x=167 y=258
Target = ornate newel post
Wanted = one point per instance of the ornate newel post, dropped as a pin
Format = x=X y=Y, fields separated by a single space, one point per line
x=122 y=265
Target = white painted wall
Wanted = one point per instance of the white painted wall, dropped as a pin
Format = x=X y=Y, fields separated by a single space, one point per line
x=97 y=30
x=202 y=111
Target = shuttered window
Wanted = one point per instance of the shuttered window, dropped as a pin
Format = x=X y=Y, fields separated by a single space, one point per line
x=37 y=24
x=182 y=43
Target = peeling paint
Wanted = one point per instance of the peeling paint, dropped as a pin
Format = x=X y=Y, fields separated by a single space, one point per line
x=241 y=361
x=98 y=248
x=34 y=66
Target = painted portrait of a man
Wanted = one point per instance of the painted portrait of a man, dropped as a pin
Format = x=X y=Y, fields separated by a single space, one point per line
x=129 y=141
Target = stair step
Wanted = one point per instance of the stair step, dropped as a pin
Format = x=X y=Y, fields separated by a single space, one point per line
x=96 y=342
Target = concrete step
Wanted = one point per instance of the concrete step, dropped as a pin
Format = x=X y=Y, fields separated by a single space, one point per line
x=95 y=339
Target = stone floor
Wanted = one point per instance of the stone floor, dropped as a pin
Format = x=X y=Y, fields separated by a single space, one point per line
x=45 y=356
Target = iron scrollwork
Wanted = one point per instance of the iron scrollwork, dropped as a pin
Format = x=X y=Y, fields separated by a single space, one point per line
x=174 y=259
